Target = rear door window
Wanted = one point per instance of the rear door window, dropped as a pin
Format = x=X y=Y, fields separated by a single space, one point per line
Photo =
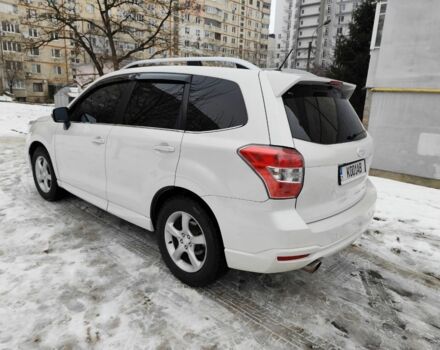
x=319 y=113
x=155 y=104
x=214 y=104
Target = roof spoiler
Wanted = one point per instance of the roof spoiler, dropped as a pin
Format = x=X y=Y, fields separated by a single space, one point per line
x=281 y=82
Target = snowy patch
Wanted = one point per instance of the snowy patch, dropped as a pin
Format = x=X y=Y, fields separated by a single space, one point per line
x=4 y=98
x=73 y=276
x=15 y=117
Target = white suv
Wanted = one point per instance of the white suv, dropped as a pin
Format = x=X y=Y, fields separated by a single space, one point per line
x=251 y=169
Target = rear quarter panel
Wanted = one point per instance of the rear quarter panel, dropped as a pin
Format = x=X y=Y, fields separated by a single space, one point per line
x=209 y=163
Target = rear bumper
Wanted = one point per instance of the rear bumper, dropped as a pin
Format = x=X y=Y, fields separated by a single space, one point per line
x=274 y=228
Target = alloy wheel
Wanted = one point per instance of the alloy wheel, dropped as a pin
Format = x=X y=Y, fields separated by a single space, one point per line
x=185 y=241
x=43 y=174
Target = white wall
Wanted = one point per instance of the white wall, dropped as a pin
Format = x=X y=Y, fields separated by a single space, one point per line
x=406 y=126
x=410 y=49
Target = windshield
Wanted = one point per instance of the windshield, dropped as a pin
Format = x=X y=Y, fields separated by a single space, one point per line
x=319 y=113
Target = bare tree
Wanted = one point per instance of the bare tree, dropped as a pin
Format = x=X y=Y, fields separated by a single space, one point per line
x=107 y=30
x=13 y=73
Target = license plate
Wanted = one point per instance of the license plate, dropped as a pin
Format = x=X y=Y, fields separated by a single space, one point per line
x=352 y=171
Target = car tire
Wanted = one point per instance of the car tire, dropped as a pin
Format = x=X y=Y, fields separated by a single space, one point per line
x=189 y=242
x=44 y=176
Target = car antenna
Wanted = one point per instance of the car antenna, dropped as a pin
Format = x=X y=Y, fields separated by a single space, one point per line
x=285 y=59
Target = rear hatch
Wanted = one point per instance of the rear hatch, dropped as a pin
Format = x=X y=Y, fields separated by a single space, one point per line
x=336 y=148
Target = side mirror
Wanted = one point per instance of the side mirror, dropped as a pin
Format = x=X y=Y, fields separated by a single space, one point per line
x=61 y=115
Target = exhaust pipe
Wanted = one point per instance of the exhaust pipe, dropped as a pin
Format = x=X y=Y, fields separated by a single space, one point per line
x=313 y=266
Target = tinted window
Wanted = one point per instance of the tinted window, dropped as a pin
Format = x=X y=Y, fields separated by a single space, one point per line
x=155 y=104
x=214 y=104
x=101 y=105
x=320 y=114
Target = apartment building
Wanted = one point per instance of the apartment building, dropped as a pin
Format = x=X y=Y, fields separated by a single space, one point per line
x=34 y=74
x=237 y=28
x=281 y=40
x=315 y=24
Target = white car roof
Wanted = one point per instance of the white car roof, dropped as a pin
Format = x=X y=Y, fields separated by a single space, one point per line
x=280 y=81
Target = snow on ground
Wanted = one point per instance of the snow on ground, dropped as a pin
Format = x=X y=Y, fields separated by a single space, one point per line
x=75 y=277
x=15 y=117
x=4 y=98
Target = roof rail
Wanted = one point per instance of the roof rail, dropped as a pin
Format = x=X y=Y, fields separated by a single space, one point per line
x=194 y=61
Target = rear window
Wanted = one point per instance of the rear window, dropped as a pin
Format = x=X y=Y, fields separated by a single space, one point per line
x=321 y=114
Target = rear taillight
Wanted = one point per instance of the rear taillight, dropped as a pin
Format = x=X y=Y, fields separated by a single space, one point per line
x=280 y=168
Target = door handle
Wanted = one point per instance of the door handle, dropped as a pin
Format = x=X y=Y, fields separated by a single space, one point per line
x=98 y=140
x=164 y=148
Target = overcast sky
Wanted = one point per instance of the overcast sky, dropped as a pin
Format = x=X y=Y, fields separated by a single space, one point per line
x=272 y=16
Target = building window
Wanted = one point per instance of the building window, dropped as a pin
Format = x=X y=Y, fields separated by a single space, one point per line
x=56 y=53
x=57 y=70
x=379 y=22
x=11 y=46
x=187 y=30
x=18 y=85
x=14 y=65
x=37 y=87
x=31 y=13
x=33 y=32
x=90 y=8
x=10 y=27
x=36 y=68
x=34 y=51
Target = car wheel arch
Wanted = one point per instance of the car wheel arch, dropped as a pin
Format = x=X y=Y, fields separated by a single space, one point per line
x=34 y=145
x=173 y=191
